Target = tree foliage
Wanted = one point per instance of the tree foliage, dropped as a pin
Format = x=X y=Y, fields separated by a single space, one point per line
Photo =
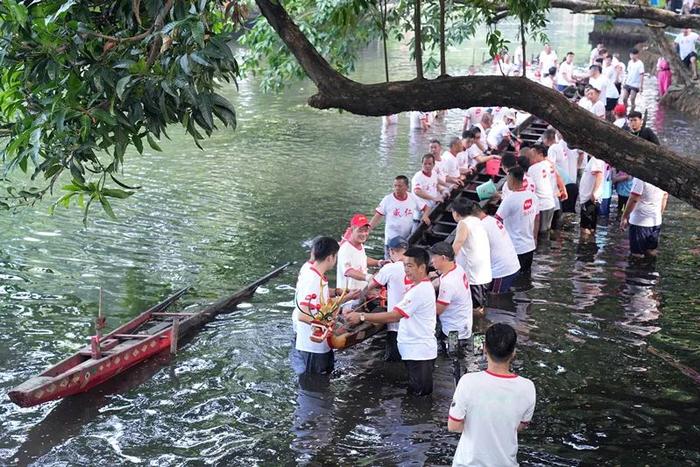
x=82 y=81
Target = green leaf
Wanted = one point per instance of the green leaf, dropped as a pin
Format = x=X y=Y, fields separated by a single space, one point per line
x=152 y=143
x=107 y=207
x=121 y=85
x=138 y=144
x=116 y=193
x=65 y=6
x=103 y=116
x=185 y=65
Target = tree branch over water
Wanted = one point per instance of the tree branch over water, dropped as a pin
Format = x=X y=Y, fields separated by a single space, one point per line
x=678 y=175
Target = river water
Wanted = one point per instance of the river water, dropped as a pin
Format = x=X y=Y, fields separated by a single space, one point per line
x=219 y=218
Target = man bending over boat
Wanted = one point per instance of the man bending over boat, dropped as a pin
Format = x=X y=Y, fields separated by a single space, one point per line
x=312 y=289
x=416 y=315
x=490 y=407
x=393 y=277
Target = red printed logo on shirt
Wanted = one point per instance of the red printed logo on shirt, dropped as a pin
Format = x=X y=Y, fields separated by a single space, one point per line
x=527 y=204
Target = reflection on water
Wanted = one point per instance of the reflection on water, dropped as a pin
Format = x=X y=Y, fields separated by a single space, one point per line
x=217 y=219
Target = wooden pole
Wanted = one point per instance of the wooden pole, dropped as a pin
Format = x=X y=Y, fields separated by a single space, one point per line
x=443 y=62
x=100 y=318
x=174 y=335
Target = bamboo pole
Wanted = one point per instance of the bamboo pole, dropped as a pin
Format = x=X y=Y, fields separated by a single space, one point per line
x=174 y=335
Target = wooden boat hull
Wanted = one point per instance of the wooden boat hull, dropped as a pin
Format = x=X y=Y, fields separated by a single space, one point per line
x=346 y=336
x=130 y=344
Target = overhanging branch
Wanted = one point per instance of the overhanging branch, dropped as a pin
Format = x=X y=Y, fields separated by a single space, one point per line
x=678 y=175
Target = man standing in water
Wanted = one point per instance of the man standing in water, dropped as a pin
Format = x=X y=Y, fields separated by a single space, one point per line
x=352 y=260
x=416 y=315
x=471 y=247
x=634 y=79
x=685 y=42
x=643 y=213
x=312 y=287
x=454 y=300
x=490 y=407
x=401 y=210
x=519 y=213
x=393 y=277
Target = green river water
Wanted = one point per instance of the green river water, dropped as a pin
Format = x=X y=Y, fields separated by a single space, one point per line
x=254 y=198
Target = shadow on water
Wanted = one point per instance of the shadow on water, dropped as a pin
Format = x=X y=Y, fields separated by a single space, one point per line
x=72 y=414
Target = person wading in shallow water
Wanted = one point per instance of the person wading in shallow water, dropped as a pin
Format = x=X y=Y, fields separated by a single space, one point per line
x=490 y=407
x=416 y=314
x=393 y=277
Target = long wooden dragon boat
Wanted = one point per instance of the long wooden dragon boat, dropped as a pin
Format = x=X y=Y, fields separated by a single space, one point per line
x=441 y=228
x=153 y=331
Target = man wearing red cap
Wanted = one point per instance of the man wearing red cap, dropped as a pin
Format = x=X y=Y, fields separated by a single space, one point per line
x=352 y=259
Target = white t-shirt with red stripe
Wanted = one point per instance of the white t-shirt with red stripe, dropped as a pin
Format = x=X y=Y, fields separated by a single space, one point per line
x=399 y=214
x=454 y=293
x=518 y=212
x=429 y=184
x=416 y=337
x=350 y=257
x=541 y=174
x=308 y=295
x=647 y=212
x=504 y=259
x=467 y=158
x=528 y=184
x=492 y=407
x=450 y=164
x=393 y=277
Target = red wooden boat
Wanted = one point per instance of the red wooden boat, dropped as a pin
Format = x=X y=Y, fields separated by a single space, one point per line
x=149 y=333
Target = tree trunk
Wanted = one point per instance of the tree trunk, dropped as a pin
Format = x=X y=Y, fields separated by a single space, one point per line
x=418 y=40
x=443 y=63
x=678 y=175
x=384 y=5
x=522 y=42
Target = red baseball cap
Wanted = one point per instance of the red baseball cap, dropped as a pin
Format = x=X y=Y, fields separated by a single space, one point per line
x=620 y=109
x=359 y=220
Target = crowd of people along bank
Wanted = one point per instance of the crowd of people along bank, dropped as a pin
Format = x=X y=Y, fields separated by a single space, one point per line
x=545 y=186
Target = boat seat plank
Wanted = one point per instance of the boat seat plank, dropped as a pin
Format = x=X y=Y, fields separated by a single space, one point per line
x=173 y=314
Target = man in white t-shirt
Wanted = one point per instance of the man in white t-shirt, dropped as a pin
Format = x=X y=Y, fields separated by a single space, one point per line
x=541 y=172
x=592 y=102
x=499 y=137
x=505 y=266
x=591 y=194
x=471 y=247
x=519 y=213
x=419 y=120
x=595 y=53
x=566 y=163
x=450 y=164
x=402 y=212
x=565 y=75
x=393 y=277
x=634 y=80
x=597 y=80
x=353 y=262
x=547 y=59
x=509 y=161
x=685 y=41
x=643 y=213
x=472 y=117
x=417 y=316
x=312 y=287
x=612 y=95
x=490 y=407
x=454 y=300
x=426 y=184
x=472 y=154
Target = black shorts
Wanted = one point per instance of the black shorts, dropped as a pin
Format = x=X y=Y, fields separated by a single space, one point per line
x=630 y=88
x=621 y=203
x=570 y=204
x=420 y=376
x=391 y=352
x=589 y=215
x=525 y=260
x=479 y=294
x=643 y=239
x=687 y=58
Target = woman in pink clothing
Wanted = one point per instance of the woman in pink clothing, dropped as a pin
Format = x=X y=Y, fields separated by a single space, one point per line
x=663 y=76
